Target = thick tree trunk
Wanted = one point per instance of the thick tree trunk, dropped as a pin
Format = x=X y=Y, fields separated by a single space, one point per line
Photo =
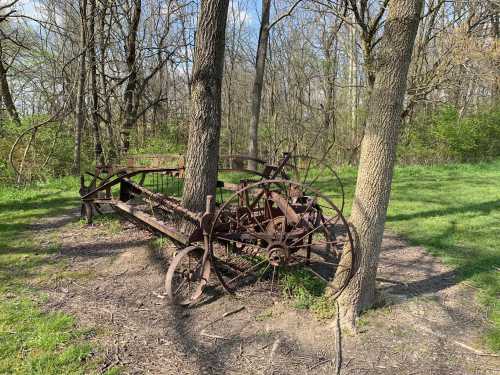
x=202 y=154
x=99 y=159
x=260 y=64
x=80 y=100
x=5 y=93
x=130 y=108
x=378 y=151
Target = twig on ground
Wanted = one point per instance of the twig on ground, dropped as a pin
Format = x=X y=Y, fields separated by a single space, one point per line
x=475 y=351
x=122 y=273
x=225 y=315
x=274 y=349
x=458 y=343
x=338 y=343
x=158 y=295
x=317 y=364
x=203 y=333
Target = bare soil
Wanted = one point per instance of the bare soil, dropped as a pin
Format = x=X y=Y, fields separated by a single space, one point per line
x=427 y=322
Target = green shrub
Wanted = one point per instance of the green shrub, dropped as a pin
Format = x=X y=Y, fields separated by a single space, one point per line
x=445 y=137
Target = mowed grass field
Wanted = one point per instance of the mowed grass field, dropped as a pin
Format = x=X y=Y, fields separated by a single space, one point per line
x=453 y=211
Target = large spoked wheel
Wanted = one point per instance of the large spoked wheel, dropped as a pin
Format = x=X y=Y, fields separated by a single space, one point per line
x=187 y=276
x=275 y=224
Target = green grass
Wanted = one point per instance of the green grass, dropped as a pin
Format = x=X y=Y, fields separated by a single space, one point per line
x=33 y=341
x=451 y=210
x=454 y=212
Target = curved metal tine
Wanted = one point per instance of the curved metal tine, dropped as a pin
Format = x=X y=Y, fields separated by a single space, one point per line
x=320 y=161
x=315 y=261
x=272 y=279
x=312 y=231
x=180 y=285
x=232 y=219
x=301 y=217
x=239 y=242
x=317 y=274
x=270 y=214
x=246 y=272
x=254 y=219
x=264 y=272
x=283 y=227
x=307 y=170
x=313 y=244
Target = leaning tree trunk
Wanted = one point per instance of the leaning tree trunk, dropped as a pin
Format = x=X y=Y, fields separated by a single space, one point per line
x=202 y=154
x=378 y=151
x=260 y=64
x=80 y=100
x=5 y=93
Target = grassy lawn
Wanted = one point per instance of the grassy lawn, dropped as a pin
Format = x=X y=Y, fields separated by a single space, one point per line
x=33 y=341
x=454 y=212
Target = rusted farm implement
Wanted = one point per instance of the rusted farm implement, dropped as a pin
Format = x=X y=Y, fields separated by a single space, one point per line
x=249 y=230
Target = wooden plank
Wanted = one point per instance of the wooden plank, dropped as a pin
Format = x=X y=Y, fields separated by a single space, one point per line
x=151 y=221
x=168 y=203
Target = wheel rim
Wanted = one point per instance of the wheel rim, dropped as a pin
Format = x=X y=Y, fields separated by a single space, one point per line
x=187 y=276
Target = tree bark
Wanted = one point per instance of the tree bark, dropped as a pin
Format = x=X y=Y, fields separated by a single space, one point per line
x=330 y=71
x=6 y=94
x=260 y=64
x=353 y=84
x=104 y=36
x=130 y=108
x=80 y=100
x=99 y=159
x=202 y=154
x=378 y=151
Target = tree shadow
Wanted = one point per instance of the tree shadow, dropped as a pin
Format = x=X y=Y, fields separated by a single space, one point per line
x=484 y=207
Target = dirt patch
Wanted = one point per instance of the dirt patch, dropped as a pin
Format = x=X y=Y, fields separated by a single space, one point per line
x=429 y=325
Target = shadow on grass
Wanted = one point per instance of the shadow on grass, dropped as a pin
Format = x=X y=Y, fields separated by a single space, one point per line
x=484 y=207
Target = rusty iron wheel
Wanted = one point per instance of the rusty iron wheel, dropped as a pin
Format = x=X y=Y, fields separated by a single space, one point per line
x=187 y=276
x=277 y=228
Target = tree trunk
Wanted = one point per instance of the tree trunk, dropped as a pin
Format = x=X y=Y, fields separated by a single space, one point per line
x=80 y=100
x=378 y=151
x=6 y=94
x=330 y=71
x=495 y=33
x=99 y=159
x=108 y=117
x=202 y=154
x=353 y=84
x=260 y=64
x=130 y=108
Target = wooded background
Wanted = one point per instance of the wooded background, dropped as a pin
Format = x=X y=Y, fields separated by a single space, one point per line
x=94 y=80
